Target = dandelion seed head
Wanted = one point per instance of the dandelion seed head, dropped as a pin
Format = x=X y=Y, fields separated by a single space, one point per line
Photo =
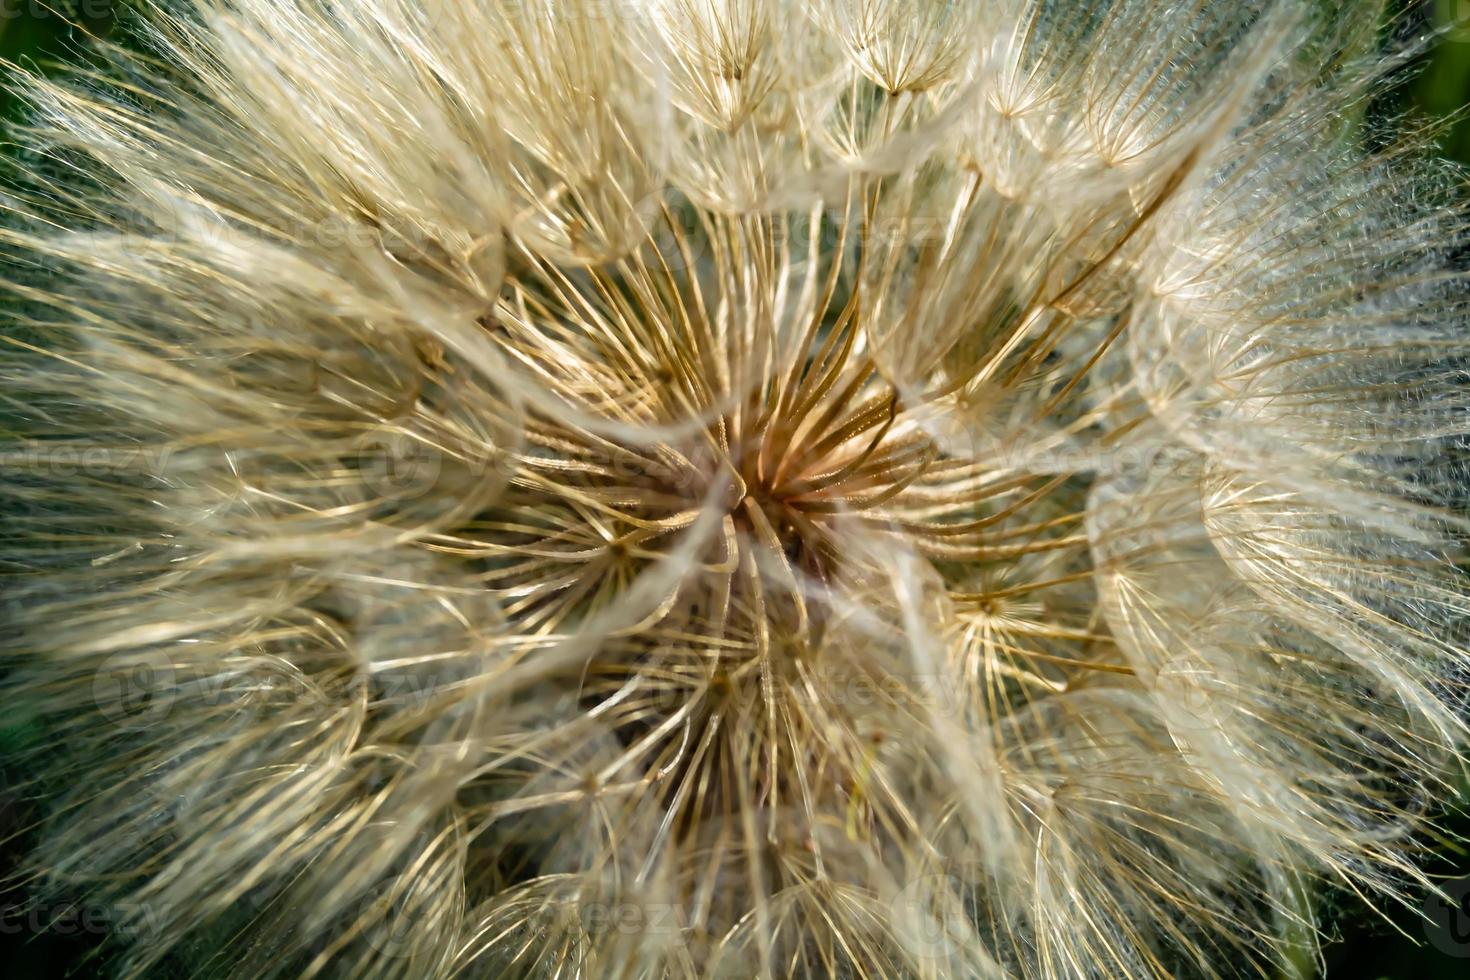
x=733 y=487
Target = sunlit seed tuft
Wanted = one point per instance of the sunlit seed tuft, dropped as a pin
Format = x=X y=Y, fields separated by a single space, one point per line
x=732 y=488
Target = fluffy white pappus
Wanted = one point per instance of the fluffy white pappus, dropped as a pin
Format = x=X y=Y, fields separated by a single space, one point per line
x=732 y=488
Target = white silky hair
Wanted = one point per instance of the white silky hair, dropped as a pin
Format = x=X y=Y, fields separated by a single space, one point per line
x=733 y=488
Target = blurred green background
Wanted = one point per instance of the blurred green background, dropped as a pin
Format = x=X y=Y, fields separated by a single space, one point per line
x=1399 y=944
